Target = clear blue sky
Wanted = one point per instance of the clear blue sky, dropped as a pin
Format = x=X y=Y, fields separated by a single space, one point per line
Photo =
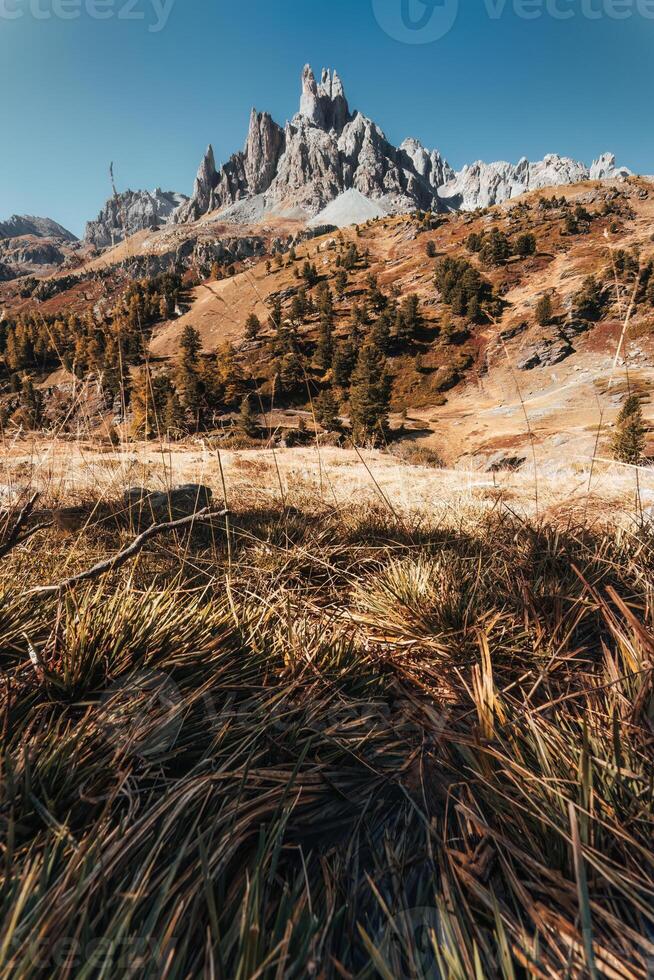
x=79 y=93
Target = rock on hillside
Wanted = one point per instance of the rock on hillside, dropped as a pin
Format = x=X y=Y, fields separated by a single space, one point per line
x=132 y=211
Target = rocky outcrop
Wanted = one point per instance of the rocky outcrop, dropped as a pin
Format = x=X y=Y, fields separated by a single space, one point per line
x=429 y=164
x=147 y=507
x=324 y=105
x=246 y=174
x=21 y=226
x=606 y=168
x=125 y=214
x=325 y=151
x=482 y=185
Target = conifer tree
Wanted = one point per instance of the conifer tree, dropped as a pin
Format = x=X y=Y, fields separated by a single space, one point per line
x=188 y=370
x=380 y=334
x=345 y=358
x=369 y=395
x=252 y=327
x=629 y=436
x=526 y=245
x=31 y=404
x=341 y=283
x=326 y=409
x=408 y=320
x=248 y=422
x=173 y=415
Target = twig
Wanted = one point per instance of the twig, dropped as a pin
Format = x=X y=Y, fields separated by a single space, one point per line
x=13 y=537
x=111 y=564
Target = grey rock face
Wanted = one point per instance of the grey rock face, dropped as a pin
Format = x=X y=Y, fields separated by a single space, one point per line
x=606 y=168
x=430 y=165
x=482 y=185
x=324 y=105
x=546 y=354
x=322 y=152
x=326 y=151
x=132 y=211
x=246 y=174
x=19 y=226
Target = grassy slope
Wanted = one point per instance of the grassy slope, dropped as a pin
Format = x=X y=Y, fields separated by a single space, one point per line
x=483 y=414
x=319 y=739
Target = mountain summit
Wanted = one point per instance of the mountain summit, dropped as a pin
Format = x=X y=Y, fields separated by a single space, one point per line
x=326 y=151
x=328 y=156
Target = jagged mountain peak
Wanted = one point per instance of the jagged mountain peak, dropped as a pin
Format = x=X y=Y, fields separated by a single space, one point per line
x=324 y=105
x=326 y=150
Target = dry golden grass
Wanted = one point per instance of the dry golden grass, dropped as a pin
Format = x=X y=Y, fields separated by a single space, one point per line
x=375 y=724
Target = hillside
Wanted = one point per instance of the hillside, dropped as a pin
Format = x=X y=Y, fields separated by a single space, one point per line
x=461 y=379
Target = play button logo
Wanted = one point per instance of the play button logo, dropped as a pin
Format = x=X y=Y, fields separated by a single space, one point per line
x=416 y=21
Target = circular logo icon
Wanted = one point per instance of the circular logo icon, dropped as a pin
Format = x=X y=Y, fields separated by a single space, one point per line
x=140 y=713
x=407 y=944
x=416 y=21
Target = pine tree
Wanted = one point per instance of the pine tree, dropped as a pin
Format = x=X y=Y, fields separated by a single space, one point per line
x=290 y=374
x=589 y=303
x=629 y=437
x=525 y=245
x=326 y=408
x=31 y=404
x=380 y=334
x=341 y=283
x=248 y=422
x=369 y=395
x=173 y=415
x=310 y=274
x=228 y=377
x=344 y=362
x=276 y=313
x=298 y=306
x=252 y=327
x=408 y=320
x=376 y=298
x=325 y=347
x=544 y=310
x=496 y=248
x=144 y=421
x=188 y=370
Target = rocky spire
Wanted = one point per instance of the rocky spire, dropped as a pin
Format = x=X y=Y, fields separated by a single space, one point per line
x=324 y=105
x=201 y=200
x=311 y=101
x=265 y=144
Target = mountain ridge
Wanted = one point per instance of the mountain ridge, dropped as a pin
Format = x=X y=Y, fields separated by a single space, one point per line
x=23 y=225
x=326 y=150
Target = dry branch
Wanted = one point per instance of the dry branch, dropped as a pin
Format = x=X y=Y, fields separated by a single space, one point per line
x=14 y=538
x=116 y=561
